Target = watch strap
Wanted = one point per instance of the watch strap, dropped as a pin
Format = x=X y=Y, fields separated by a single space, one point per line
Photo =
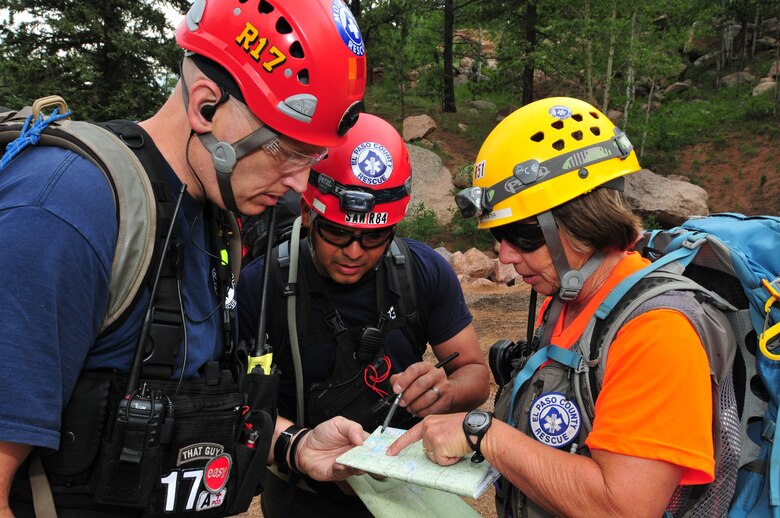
x=476 y=445
x=282 y=446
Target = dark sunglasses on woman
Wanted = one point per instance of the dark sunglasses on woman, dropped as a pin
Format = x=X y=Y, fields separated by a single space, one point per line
x=526 y=237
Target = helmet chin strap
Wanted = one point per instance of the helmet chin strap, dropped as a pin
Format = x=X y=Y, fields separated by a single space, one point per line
x=571 y=280
x=225 y=155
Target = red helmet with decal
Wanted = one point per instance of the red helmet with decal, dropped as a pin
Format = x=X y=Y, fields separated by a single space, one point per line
x=301 y=66
x=365 y=182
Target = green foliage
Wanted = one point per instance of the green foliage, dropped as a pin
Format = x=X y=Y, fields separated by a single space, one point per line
x=420 y=223
x=107 y=59
x=650 y=222
x=712 y=117
x=466 y=235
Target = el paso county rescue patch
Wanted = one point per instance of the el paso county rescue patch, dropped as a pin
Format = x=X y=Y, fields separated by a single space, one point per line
x=555 y=421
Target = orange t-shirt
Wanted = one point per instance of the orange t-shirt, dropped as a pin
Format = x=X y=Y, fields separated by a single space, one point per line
x=656 y=400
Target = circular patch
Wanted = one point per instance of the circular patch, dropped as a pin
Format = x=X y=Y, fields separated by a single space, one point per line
x=560 y=112
x=216 y=472
x=371 y=163
x=347 y=27
x=555 y=421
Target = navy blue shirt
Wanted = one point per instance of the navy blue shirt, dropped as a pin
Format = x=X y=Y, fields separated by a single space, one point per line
x=58 y=232
x=441 y=307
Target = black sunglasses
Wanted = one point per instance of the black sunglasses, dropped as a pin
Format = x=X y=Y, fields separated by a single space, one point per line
x=526 y=237
x=342 y=238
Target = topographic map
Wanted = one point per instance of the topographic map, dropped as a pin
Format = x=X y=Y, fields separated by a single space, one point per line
x=463 y=478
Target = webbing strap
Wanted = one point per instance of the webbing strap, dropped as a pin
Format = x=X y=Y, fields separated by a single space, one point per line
x=567 y=357
x=43 y=500
x=684 y=255
x=774 y=469
x=533 y=363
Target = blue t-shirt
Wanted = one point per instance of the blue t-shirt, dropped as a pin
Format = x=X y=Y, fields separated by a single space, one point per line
x=58 y=232
x=441 y=306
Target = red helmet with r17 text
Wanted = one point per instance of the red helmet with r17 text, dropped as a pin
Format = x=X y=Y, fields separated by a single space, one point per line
x=301 y=66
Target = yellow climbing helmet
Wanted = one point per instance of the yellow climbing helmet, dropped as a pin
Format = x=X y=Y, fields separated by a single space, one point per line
x=541 y=156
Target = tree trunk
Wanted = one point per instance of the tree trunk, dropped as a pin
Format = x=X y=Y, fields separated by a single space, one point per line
x=630 y=76
x=530 y=36
x=589 y=57
x=354 y=6
x=647 y=119
x=448 y=86
x=610 y=60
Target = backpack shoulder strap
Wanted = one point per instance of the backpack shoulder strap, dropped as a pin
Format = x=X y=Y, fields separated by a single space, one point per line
x=136 y=210
x=402 y=263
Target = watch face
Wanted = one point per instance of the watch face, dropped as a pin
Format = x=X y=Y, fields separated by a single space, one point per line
x=476 y=420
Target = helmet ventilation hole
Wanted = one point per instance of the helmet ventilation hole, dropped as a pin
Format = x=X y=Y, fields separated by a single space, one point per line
x=577 y=117
x=595 y=130
x=283 y=27
x=296 y=50
x=594 y=115
x=538 y=136
x=558 y=145
x=577 y=135
x=557 y=124
x=303 y=76
x=264 y=7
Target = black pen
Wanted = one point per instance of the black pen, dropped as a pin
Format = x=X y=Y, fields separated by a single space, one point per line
x=397 y=399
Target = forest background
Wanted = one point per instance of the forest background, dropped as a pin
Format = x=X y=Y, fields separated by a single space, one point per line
x=117 y=59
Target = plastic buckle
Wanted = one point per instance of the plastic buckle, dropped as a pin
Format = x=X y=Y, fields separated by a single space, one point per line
x=768 y=432
x=692 y=242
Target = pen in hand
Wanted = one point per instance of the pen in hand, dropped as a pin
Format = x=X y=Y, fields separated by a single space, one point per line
x=397 y=399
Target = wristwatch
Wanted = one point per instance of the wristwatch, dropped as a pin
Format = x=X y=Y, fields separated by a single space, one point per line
x=476 y=423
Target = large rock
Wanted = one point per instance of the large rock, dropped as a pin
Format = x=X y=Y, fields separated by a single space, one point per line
x=483 y=106
x=763 y=87
x=678 y=87
x=504 y=273
x=472 y=265
x=737 y=78
x=670 y=201
x=431 y=183
x=418 y=127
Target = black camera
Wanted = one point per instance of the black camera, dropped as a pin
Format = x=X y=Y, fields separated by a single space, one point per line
x=500 y=359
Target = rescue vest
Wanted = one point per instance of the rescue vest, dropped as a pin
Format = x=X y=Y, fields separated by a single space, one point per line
x=718 y=271
x=358 y=387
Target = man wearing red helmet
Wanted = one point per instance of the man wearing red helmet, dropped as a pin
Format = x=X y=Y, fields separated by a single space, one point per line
x=146 y=411
x=359 y=309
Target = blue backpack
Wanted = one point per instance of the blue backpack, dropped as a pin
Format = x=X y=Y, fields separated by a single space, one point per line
x=735 y=263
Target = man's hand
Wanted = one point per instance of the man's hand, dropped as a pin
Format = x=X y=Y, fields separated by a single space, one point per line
x=316 y=455
x=417 y=383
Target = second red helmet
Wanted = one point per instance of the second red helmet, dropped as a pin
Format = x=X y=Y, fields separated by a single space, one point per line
x=365 y=182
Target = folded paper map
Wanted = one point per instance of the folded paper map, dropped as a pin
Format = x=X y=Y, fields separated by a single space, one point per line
x=463 y=478
x=390 y=498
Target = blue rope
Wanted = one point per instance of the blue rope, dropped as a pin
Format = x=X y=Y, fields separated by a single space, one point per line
x=30 y=135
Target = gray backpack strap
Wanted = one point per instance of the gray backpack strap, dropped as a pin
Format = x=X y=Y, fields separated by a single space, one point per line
x=711 y=317
x=136 y=209
x=43 y=500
